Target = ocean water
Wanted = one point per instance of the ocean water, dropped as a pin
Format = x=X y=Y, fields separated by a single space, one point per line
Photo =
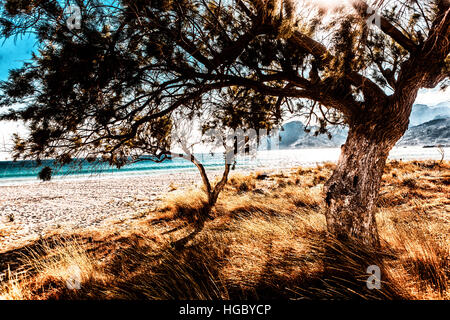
x=12 y=173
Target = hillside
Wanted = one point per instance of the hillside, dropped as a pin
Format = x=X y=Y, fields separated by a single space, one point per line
x=294 y=136
x=429 y=126
x=432 y=133
x=422 y=113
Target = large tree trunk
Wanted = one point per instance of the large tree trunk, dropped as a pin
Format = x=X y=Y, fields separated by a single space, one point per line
x=352 y=191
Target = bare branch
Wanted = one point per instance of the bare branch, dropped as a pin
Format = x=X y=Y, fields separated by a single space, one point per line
x=363 y=10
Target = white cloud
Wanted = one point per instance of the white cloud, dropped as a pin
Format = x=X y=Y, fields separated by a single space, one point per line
x=433 y=97
x=7 y=129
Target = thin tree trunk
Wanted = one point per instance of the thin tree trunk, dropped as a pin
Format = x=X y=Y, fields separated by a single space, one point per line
x=213 y=196
x=212 y=192
x=352 y=191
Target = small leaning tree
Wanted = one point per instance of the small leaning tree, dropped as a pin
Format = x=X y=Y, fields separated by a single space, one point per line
x=130 y=64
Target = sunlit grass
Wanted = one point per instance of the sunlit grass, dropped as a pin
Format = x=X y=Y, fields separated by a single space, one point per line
x=268 y=239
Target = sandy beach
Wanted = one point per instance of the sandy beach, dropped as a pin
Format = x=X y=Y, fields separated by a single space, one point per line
x=32 y=210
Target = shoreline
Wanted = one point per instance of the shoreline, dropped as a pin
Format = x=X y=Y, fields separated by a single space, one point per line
x=265 y=160
x=255 y=222
x=31 y=210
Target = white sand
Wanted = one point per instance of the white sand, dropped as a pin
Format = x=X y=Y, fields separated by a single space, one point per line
x=37 y=208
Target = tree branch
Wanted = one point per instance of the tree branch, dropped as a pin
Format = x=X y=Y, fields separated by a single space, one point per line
x=320 y=52
x=362 y=8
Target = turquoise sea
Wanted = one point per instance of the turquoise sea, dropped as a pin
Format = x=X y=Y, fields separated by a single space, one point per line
x=27 y=171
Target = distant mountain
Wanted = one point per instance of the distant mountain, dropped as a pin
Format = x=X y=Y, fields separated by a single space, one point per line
x=294 y=136
x=443 y=104
x=422 y=113
x=431 y=133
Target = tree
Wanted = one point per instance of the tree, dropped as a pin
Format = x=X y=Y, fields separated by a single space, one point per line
x=230 y=144
x=113 y=83
x=184 y=136
x=441 y=152
x=221 y=132
x=45 y=174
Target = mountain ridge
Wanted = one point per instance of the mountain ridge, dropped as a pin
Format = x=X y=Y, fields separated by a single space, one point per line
x=429 y=126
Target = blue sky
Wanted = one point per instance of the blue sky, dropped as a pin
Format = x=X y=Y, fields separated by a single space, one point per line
x=13 y=53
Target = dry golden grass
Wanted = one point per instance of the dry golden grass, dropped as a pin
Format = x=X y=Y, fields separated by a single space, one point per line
x=268 y=240
x=188 y=206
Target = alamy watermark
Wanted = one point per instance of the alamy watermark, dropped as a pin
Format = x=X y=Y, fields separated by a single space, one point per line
x=74 y=280
x=74 y=20
x=374 y=17
x=374 y=281
x=240 y=145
